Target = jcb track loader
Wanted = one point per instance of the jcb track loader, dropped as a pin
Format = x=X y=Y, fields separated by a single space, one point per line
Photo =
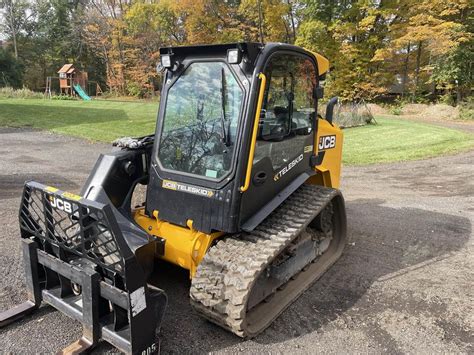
x=241 y=181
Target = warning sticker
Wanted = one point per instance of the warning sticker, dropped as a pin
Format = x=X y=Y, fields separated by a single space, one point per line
x=138 y=301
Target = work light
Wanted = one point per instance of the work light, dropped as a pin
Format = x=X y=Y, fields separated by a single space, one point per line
x=166 y=60
x=234 y=56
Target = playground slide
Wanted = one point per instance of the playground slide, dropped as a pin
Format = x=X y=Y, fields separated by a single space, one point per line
x=81 y=92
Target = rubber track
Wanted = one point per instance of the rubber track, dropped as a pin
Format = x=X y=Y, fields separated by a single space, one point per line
x=226 y=275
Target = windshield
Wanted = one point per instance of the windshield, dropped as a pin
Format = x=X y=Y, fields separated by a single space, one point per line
x=200 y=121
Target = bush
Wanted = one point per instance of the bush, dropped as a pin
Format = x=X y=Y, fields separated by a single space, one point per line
x=10 y=93
x=396 y=110
x=62 y=97
x=447 y=99
x=133 y=89
x=466 y=109
x=352 y=114
x=138 y=90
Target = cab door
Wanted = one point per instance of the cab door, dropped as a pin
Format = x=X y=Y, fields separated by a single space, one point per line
x=285 y=135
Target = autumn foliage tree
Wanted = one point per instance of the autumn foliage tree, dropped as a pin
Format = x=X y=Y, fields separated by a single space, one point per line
x=414 y=48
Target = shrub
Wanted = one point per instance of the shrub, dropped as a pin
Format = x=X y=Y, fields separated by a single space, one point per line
x=447 y=99
x=133 y=89
x=62 y=97
x=352 y=114
x=25 y=93
x=396 y=110
x=466 y=109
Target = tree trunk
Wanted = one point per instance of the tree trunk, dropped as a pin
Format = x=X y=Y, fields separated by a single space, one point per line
x=458 y=93
x=292 y=20
x=13 y=29
x=417 y=70
x=260 y=20
x=405 y=69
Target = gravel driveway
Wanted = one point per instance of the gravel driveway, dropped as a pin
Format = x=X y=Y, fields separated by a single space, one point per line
x=404 y=284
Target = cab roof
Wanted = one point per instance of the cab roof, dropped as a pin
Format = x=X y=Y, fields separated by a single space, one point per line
x=251 y=50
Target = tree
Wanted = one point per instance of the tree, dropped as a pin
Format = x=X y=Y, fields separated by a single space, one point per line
x=10 y=70
x=422 y=42
x=453 y=69
x=374 y=46
x=348 y=33
x=16 y=19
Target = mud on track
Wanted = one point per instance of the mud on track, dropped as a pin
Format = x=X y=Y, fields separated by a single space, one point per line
x=403 y=284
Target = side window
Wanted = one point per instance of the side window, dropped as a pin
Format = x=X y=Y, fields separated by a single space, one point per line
x=289 y=104
x=288 y=108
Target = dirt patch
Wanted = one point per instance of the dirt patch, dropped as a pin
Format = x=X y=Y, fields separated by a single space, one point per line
x=10 y=184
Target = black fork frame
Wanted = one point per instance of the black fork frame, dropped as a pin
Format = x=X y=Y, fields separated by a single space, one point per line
x=123 y=310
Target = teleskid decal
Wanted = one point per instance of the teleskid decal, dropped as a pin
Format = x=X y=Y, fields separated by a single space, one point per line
x=327 y=142
x=287 y=168
x=195 y=190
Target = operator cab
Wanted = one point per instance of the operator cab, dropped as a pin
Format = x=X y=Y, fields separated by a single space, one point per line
x=204 y=131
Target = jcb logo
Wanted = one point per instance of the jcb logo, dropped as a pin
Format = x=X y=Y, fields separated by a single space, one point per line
x=327 y=142
x=167 y=184
x=60 y=204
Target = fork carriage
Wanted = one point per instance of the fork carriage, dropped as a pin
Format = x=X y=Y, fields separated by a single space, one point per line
x=79 y=259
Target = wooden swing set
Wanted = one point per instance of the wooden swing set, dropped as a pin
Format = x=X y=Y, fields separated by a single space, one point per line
x=69 y=77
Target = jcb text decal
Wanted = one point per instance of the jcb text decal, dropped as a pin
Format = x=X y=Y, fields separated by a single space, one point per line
x=60 y=204
x=327 y=142
x=196 y=190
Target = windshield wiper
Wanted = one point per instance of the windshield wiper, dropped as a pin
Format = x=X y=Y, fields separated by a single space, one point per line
x=225 y=134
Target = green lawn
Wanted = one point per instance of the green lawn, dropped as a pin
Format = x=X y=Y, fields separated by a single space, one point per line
x=95 y=120
x=390 y=140
x=399 y=140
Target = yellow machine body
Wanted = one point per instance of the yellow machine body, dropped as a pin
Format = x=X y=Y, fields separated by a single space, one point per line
x=329 y=171
x=185 y=247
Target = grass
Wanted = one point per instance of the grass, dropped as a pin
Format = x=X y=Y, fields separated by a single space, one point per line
x=94 y=120
x=399 y=140
x=389 y=141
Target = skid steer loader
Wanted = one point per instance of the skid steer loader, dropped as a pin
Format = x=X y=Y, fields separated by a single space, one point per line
x=241 y=181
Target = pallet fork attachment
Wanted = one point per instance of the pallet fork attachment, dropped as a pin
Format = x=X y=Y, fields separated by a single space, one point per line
x=78 y=260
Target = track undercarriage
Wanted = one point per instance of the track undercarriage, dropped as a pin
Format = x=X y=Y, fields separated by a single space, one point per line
x=245 y=281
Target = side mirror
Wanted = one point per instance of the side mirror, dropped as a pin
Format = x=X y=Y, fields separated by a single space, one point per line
x=330 y=109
